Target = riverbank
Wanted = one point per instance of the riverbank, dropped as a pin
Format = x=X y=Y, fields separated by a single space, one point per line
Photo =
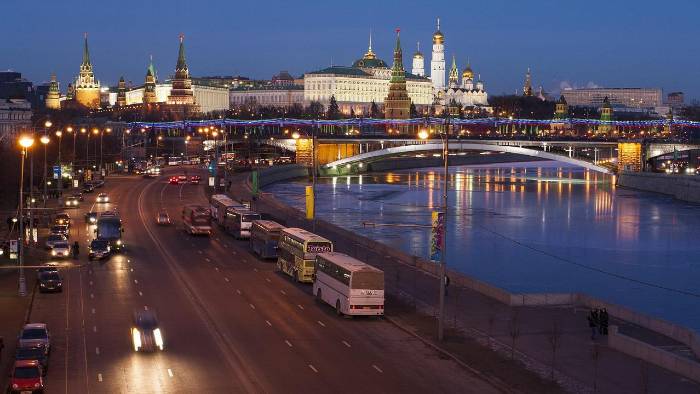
x=492 y=315
x=682 y=187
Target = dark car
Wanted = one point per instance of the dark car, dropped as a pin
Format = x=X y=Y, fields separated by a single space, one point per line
x=91 y=217
x=50 y=281
x=37 y=353
x=78 y=195
x=88 y=188
x=99 y=249
x=146 y=334
x=26 y=377
x=62 y=219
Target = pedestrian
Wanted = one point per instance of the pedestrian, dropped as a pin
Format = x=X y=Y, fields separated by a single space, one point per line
x=76 y=249
x=604 y=322
x=447 y=284
x=592 y=324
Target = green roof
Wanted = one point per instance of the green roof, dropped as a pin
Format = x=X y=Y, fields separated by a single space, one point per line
x=370 y=63
x=342 y=70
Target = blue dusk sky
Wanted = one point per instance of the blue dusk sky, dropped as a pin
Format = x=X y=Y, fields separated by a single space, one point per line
x=610 y=43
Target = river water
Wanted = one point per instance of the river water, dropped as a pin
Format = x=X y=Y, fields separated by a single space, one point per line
x=532 y=228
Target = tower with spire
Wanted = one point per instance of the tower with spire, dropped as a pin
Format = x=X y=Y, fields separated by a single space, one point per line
x=454 y=74
x=606 y=115
x=437 y=62
x=468 y=77
x=181 y=93
x=121 y=93
x=397 y=104
x=418 y=62
x=87 y=89
x=149 y=86
x=53 y=97
x=527 y=86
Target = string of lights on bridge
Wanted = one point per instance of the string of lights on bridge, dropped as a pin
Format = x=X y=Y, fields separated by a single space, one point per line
x=360 y=122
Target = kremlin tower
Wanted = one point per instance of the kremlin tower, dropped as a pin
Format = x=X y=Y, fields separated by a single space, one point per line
x=418 y=63
x=454 y=74
x=121 y=93
x=87 y=89
x=181 y=93
x=397 y=104
x=437 y=63
x=527 y=87
x=149 y=86
x=53 y=98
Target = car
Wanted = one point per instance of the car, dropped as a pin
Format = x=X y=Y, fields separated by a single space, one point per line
x=99 y=249
x=173 y=180
x=71 y=202
x=91 y=217
x=52 y=239
x=61 y=229
x=163 y=218
x=60 y=249
x=182 y=179
x=37 y=353
x=195 y=179
x=102 y=197
x=50 y=281
x=62 y=218
x=35 y=334
x=87 y=188
x=26 y=377
x=78 y=195
x=146 y=334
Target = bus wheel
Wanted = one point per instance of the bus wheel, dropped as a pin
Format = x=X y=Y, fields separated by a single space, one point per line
x=337 y=308
x=319 y=298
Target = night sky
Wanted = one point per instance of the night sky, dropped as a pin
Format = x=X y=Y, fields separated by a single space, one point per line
x=580 y=43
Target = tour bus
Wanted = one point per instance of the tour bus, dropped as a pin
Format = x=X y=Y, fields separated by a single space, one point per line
x=297 y=251
x=349 y=285
x=196 y=219
x=218 y=205
x=238 y=221
x=264 y=236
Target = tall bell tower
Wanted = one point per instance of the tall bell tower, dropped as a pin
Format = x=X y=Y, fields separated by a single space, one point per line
x=437 y=62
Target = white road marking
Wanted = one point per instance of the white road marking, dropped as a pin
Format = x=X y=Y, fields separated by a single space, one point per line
x=140 y=294
x=268 y=323
x=216 y=268
x=99 y=377
x=170 y=372
x=288 y=343
x=199 y=251
x=94 y=328
x=282 y=291
x=226 y=279
x=90 y=283
x=218 y=239
x=234 y=252
x=346 y=344
x=300 y=307
x=207 y=259
x=136 y=281
x=92 y=295
x=238 y=291
x=145 y=307
x=97 y=351
x=377 y=368
x=252 y=306
x=268 y=280
x=93 y=311
x=313 y=368
x=320 y=323
x=255 y=269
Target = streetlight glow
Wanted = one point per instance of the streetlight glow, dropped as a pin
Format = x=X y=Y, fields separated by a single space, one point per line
x=295 y=135
x=423 y=134
x=26 y=141
x=44 y=139
x=48 y=123
x=59 y=133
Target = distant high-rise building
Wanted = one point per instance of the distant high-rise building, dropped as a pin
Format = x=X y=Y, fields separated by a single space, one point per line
x=418 y=62
x=527 y=86
x=53 y=97
x=437 y=62
x=620 y=98
x=87 y=89
x=181 y=93
x=676 y=99
x=397 y=104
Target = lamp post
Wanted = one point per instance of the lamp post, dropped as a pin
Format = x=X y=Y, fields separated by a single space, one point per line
x=59 y=183
x=217 y=182
x=25 y=142
x=95 y=132
x=87 y=149
x=187 y=142
x=45 y=141
x=144 y=133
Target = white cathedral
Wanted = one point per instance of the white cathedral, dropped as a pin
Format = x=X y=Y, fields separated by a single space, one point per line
x=468 y=93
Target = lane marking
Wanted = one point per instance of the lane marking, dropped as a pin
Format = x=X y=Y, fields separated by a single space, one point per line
x=199 y=251
x=136 y=281
x=320 y=323
x=226 y=279
x=377 y=368
x=268 y=280
x=94 y=328
x=99 y=377
x=170 y=372
x=131 y=269
x=282 y=291
x=92 y=295
x=216 y=268
x=252 y=306
x=140 y=294
x=90 y=283
x=313 y=368
x=288 y=343
x=346 y=344
x=207 y=259
x=93 y=311
x=268 y=323
x=145 y=307
x=255 y=269
x=97 y=351
x=238 y=291
x=300 y=307
x=234 y=252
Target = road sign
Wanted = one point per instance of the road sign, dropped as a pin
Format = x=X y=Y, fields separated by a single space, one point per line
x=56 y=172
x=14 y=249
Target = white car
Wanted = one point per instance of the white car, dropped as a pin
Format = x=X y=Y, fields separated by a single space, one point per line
x=102 y=197
x=54 y=239
x=60 y=249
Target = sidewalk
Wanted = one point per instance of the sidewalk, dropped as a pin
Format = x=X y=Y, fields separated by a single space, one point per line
x=550 y=341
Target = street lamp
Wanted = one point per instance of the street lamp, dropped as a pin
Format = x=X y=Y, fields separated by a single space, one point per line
x=25 y=142
x=59 y=184
x=45 y=141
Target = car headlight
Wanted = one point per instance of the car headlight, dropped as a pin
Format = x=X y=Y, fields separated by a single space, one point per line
x=136 y=338
x=119 y=242
x=158 y=337
x=53 y=253
x=15 y=386
x=92 y=220
x=42 y=284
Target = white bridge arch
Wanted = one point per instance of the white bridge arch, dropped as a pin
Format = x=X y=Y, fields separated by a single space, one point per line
x=431 y=146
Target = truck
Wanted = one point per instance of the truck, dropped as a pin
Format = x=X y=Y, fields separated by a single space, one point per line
x=109 y=228
x=196 y=219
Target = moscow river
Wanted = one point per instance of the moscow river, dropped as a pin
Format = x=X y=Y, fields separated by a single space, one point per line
x=533 y=228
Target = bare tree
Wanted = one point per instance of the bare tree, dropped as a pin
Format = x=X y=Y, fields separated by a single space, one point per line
x=554 y=335
x=595 y=355
x=514 y=331
x=644 y=377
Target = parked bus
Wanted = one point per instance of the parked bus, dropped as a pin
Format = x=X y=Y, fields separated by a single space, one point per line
x=218 y=205
x=264 y=237
x=349 y=285
x=297 y=253
x=196 y=219
x=238 y=221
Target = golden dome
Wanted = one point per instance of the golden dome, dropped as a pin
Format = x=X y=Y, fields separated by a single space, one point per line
x=468 y=73
x=438 y=37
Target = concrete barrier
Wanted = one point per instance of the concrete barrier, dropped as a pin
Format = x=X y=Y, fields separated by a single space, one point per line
x=657 y=356
x=682 y=187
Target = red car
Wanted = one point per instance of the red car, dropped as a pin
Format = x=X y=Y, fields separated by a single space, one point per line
x=194 y=179
x=182 y=179
x=173 y=180
x=26 y=377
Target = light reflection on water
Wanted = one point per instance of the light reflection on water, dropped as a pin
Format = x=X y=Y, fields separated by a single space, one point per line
x=527 y=228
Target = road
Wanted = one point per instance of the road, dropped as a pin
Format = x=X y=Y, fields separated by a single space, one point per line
x=231 y=322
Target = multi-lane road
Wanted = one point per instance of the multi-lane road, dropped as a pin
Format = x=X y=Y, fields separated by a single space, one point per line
x=231 y=322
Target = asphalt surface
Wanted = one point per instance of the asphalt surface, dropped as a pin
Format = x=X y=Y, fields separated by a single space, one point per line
x=231 y=323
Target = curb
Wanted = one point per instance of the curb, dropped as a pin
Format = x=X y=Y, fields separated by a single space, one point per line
x=497 y=383
x=31 y=305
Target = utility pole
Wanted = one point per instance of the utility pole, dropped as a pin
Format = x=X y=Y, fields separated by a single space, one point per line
x=25 y=142
x=443 y=247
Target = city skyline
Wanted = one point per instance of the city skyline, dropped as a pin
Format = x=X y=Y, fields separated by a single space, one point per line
x=601 y=56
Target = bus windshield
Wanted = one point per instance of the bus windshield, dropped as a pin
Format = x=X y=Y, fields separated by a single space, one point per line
x=367 y=280
x=109 y=229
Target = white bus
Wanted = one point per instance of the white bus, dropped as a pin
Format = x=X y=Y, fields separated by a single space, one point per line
x=349 y=285
x=297 y=251
x=264 y=238
x=218 y=204
x=238 y=222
